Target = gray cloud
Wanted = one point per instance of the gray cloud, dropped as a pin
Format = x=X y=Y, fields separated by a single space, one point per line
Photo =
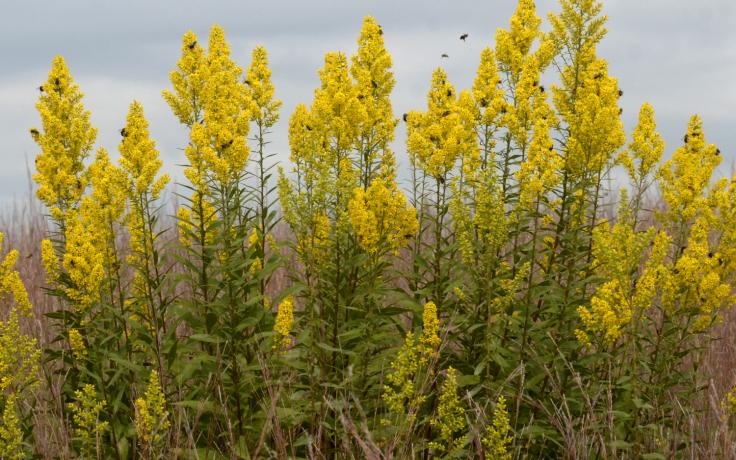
x=678 y=55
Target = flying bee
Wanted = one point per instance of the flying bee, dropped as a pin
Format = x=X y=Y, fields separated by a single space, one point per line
x=463 y=37
x=445 y=55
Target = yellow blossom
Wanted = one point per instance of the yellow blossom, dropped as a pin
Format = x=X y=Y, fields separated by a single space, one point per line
x=152 y=418
x=67 y=137
x=284 y=323
x=450 y=418
x=381 y=217
x=258 y=79
x=497 y=439
x=430 y=339
x=76 y=343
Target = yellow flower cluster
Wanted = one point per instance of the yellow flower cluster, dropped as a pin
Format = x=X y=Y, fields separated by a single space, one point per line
x=430 y=339
x=399 y=393
x=728 y=404
x=211 y=99
x=66 y=139
x=11 y=435
x=258 y=79
x=381 y=218
x=497 y=439
x=618 y=254
x=76 y=343
x=514 y=45
x=284 y=323
x=188 y=80
x=374 y=81
x=488 y=95
x=596 y=131
x=151 y=418
x=338 y=112
x=450 y=419
x=684 y=178
x=646 y=148
x=89 y=428
x=438 y=138
x=139 y=157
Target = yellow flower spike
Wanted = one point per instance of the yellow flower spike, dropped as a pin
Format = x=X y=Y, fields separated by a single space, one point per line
x=50 y=261
x=139 y=157
x=66 y=139
x=336 y=108
x=88 y=427
x=429 y=341
x=685 y=177
x=374 y=81
x=381 y=217
x=450 y=419
x=497 y=440
x=284 y=323
x=399 y=393
x=597 y=132
x=186 y=101
x=514 y=45
x=437 y=138
x=11 y=434
x=76 y=343
x=152 y=418
x=646 y=147
x=261 y=89
x=486 y=91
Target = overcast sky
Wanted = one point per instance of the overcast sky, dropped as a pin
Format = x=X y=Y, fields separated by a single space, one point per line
x=680 y=55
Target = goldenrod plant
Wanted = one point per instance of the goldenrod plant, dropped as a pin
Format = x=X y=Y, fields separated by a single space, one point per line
x=500 y=299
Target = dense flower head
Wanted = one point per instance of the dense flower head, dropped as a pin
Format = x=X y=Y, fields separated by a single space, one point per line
x=189 y=78
x=261 y=88
x=487 y=92
x=450 y=418
x=84 y=258
x=219 y=119
x=429 y=341
x=684 y=178
x=11 y=434
x=645 y=149
x=374 y=81
x=66 y=138
x=596 y=131
x=139 y=157
x=86 y=413
x=513 y=45
x=381 y=217
x=400 y=391
x=151 y=416
x=497 y=439
x=107 y=200
x=336 y=108
x=438 y=137
x=50 y=260
x=76 y=343
x=540 y=170
x=284 y=323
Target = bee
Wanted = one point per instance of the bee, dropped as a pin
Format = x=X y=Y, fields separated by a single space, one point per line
x=449 y=93
x=483 y=102
x=374 y=84
x=227 y=144
x=551 y=147
x=445 y=113
x=503 y=110
x=620 y=93
x=445 y=55
x=710 y=254
x=685 y=139
x=56 y=81
x=40 y=89
x=124 y=132
x=441 y=179
x=718 y=152
x=535 y=83
x=541 y=89
x=247 y=82
x=463 y=37
x=192 y=45
x=598 y=76
x=309 y=128
x=405 y=117
x=433 y=138
x=499 y=81
x=380 y=30
x=34 y=133
x=620 y=111
x=360 y=97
